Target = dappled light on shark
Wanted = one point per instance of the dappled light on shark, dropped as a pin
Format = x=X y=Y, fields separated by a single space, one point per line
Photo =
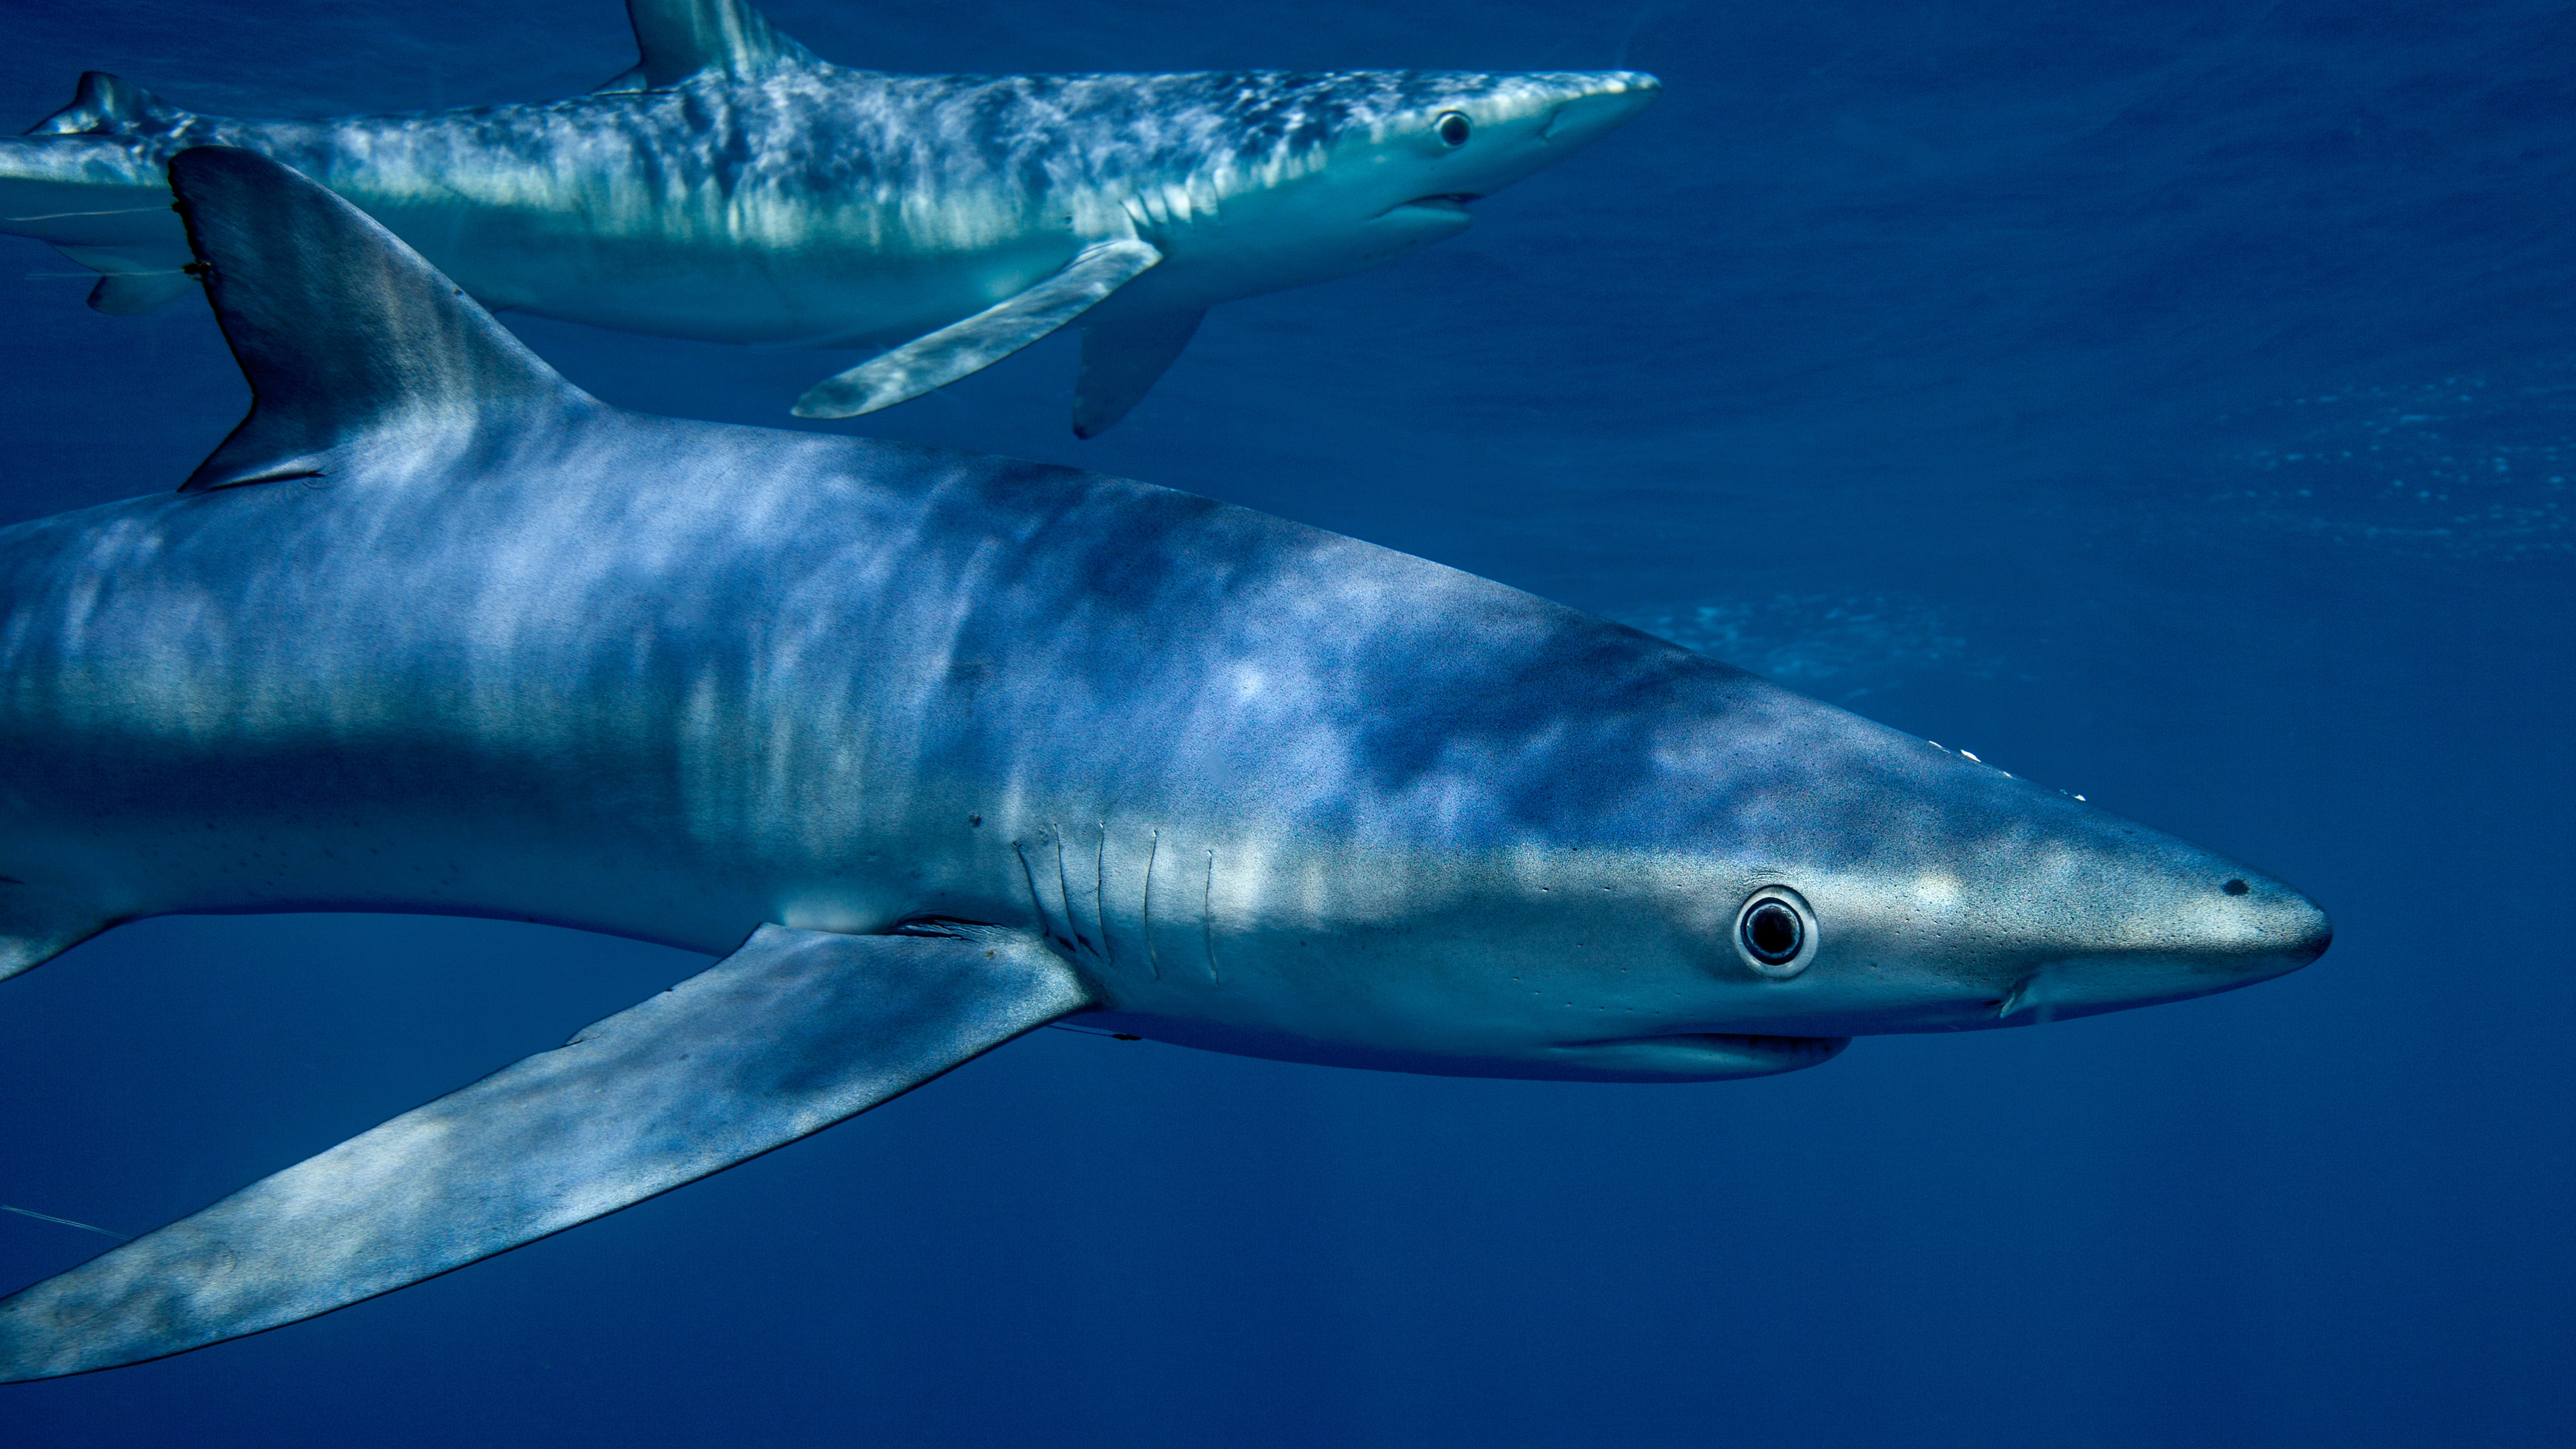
x=732 y=186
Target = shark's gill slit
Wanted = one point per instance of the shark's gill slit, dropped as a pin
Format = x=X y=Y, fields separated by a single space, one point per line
x=1100 y=895
x=1145 y=907
x=1064 y=893
x=1037 y=903
x=1207 y=917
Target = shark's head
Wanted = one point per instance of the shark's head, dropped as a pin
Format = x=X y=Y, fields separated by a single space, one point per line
x=1786 y=874
x=1625 y=861
x=1402 y=174
x=1298 y=178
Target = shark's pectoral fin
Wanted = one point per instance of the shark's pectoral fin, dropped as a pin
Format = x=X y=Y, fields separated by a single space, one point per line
x=790 y=1034
x=1120 y=363
x=38 y=924
x=959 y=348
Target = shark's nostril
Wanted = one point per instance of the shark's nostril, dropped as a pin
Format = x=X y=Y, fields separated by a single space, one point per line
x=2236 y=888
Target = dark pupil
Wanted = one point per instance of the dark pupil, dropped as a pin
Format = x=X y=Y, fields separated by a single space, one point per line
x=1772 y=931
x=1453 y=129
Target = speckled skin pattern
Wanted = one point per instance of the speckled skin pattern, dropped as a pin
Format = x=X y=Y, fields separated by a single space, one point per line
x=818 y=205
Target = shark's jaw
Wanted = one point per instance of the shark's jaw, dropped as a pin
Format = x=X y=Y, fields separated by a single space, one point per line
x=1439 y=203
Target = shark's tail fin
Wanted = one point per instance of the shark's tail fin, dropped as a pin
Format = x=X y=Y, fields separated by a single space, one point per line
x=85 y=179
x=345 y=335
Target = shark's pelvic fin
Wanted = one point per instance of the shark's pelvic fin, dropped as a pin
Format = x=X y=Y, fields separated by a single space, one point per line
x=106 y=105
x=679 y=38
x=123 y=294
x=1120 y=364
x=788 y=1035
x=343 y=332
x=37 y=924
x=959 y=348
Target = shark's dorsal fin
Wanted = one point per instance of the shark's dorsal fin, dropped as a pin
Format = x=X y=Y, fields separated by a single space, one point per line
x=106 y=105
x=680 y=38
x=343 y=332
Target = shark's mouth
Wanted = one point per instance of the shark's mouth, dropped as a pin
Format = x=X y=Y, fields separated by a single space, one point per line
x=1453 y=201
x=1703 y=1055
x=1782 y=1048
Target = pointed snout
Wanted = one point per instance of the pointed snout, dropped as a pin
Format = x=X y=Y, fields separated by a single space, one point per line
x=1598 y=105
x=2229 y=930
x=2284 y=929
x=2245 y=927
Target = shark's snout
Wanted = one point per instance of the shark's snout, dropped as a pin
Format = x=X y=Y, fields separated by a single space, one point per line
x=2308 y=933
x=2254 y=928
x=2233 y=931
x=1587 y=117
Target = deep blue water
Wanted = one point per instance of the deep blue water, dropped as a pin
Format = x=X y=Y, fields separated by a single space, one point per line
x=2175 y=403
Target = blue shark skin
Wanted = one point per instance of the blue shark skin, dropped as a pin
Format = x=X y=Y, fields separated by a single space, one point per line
x=939 y=747
x=751 y=193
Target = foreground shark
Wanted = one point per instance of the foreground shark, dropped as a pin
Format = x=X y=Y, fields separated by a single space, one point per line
x=734 y=188
x=939 y=748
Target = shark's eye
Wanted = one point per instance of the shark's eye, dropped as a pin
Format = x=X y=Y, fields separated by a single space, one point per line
x=1773 y=932
x=1453 y=128
x=1776 y=932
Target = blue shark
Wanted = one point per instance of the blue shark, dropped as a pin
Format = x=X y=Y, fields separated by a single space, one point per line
x=931 y=749
x=733 y=187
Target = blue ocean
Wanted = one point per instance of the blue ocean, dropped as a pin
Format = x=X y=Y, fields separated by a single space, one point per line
x=2174 y=404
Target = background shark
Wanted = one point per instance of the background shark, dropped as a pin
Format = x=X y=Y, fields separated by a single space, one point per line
x=733 y=187
x=939 y=748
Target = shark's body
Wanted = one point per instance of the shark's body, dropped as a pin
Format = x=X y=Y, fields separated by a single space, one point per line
x=734 y=188
x=964 y=745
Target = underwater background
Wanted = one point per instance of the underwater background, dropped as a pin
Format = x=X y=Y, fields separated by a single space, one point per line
x=2172 y=403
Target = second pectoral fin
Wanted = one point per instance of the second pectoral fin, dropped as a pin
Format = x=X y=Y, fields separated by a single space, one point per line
x=127 y=294
x=1120 y=363
x=790 y=1034
x=959 y=348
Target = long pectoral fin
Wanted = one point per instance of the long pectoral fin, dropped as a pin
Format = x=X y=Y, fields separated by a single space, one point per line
x=959 y=348
x=1120 y=363
x=790 y=1034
